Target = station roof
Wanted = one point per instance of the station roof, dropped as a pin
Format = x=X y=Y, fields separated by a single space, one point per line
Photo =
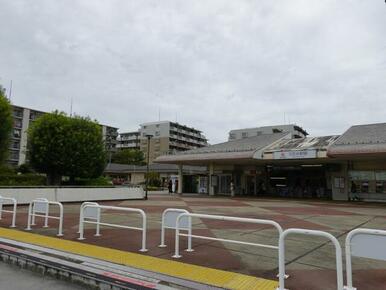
x=160 y=168
x=360 y=140
x=319 y=143
x=231 y=150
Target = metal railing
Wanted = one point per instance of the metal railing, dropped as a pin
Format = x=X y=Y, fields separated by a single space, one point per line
x=40 y=208
x=366 y=243
x=169 y=219
x=13 y=212
x=92 y=214
x=82 y=220
x=338 y=254
x=222 y=218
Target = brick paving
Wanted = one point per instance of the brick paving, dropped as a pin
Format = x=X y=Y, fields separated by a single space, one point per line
x=310 y=260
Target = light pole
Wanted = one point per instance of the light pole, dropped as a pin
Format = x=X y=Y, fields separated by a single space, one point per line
x=149 y=136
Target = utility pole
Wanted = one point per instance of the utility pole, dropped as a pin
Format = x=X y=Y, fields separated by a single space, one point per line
x=147 y=163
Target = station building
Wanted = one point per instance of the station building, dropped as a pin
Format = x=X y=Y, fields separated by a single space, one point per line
x=351 y=166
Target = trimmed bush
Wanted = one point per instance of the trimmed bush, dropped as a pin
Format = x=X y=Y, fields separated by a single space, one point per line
x=23 y=180
x=99 y=181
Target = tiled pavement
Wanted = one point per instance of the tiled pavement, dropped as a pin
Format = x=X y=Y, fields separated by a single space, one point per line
x=310 y=260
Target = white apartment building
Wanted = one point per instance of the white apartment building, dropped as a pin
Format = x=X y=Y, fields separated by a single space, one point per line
x=169 y=137
x=128 y=140
x=23 y=117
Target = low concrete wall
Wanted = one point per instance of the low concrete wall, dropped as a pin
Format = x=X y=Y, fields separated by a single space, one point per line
x=25 y=195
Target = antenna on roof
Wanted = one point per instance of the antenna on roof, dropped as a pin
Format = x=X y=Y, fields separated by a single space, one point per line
x=159 y=114
x=10 y=92
x=71 y=107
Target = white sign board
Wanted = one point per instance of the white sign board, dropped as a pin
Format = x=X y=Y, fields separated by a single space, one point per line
x=295 y=154
x=368 y=246
x=170 y=220
x=41 y=207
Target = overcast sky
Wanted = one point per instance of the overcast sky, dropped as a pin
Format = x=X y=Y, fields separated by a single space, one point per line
x=214 y=65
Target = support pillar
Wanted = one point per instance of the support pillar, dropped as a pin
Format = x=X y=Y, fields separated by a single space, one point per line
x=180 y=179
x=211 y=172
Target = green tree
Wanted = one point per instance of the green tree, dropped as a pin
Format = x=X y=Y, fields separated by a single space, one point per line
x=128 y=156
x=154 y=178
x=5 y=125
x=63 y=146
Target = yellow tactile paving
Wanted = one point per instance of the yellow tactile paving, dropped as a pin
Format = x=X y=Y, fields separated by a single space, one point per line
x=219 y=278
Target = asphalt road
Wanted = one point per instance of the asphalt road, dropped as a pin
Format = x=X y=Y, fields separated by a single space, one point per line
x=14 y=278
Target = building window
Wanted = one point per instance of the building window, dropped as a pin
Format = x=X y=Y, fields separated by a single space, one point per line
x=15 y=145
x=14 y=155
x=17 y=123
x=244 y=135
x=16 y=133
x=18 y=113
x=34 y=115
x=232 y=136
x=365 y=186
x=157 y=133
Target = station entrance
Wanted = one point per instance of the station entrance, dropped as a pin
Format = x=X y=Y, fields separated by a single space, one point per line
x=304 y=181
x=297 y=181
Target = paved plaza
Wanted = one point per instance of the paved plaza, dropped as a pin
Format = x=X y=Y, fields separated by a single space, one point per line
x=310 y=260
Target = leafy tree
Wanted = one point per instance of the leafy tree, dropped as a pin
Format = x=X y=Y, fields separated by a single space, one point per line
x=63 y=146
x=5 y=125
x=154 y=178
x=128 y=156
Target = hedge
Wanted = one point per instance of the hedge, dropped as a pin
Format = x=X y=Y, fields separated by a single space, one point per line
x=22 y=180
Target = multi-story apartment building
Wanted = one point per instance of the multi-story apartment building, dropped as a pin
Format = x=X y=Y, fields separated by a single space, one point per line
x=296 y=131
x=169 y=137
x=129 y=140
x=22 y=119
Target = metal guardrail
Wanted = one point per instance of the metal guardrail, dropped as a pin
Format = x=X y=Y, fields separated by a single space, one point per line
x=366 y=243
x=92 y=214
x=41 y=206
x=96 y=216
x=169 y=219
x=13 y=212
x=338 y=254
x=222 y=218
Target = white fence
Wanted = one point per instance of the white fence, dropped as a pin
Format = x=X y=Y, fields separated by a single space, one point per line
x=365 y=243
x=91 y=213
x=223 y=218
x=169 y=219
x=40 y=208
x=338 y=254
x=13 y=212
x=72 y=194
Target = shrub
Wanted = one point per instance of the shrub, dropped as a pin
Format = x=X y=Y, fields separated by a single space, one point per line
x=154 y=179
x=23 y=180
x=99 y=181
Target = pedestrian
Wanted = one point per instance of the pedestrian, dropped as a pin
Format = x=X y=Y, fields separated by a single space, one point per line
x=170 y=186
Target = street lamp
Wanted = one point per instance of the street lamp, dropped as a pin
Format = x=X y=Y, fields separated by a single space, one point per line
x=148 y=136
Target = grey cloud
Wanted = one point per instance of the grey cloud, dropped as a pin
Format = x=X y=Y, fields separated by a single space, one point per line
x=216 y=65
